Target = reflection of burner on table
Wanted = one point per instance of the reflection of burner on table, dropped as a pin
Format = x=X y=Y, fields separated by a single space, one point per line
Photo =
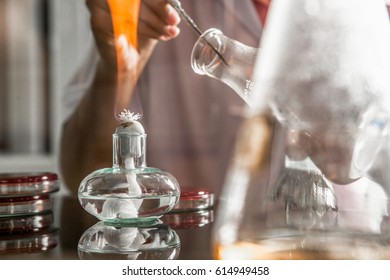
x=150 y=242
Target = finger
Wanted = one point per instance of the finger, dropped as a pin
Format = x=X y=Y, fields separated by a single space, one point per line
x=165 y=13
x=163 y=10
x=159 y=15
x=153 y=26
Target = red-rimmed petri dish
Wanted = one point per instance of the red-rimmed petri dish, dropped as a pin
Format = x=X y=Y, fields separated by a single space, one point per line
x=194 y=200
x=24 y=224
x=27 y=193
x=34 y=242
x=25 y=205
x=28 y=184
x=189 y=219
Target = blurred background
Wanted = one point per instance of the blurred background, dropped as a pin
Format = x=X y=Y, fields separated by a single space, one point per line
x=40 y=48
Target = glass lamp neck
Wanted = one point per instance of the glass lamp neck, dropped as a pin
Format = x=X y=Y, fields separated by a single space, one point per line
x=129 y=150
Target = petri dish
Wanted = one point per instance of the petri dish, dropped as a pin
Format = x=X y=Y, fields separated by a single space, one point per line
x=194 y=200
x=34 y=242
x=28 y=184
x=25 y=205
x=24 y=224
x=189 y=219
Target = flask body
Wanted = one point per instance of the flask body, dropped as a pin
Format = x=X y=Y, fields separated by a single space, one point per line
x=308 y=179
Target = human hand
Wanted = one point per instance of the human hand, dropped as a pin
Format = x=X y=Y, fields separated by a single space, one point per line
x=157 y=22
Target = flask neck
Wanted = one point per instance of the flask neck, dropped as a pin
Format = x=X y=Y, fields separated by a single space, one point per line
x=233 y=64
x=204 y=60
x=129 y=150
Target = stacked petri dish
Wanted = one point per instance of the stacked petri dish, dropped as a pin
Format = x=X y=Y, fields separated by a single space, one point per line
x=194 y=209
x=26 y=217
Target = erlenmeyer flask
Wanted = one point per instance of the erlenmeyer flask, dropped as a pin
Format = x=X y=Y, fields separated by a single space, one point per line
x=307 y=180
x=232 y=65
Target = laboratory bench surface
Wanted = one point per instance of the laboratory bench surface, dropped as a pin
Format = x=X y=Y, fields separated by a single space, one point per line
x=58 y=232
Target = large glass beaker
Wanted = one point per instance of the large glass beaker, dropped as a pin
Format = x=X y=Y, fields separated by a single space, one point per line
x=308 y=179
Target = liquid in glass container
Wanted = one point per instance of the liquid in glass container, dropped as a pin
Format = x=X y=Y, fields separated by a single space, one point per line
x=129 y=192
x=151 y=242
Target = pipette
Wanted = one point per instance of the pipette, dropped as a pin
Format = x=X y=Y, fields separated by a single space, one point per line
x=190 y=22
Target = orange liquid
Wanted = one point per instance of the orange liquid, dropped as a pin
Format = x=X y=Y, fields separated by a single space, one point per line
x=293 y=250
x=125 y=15
x=251 y=251
x=125 y=23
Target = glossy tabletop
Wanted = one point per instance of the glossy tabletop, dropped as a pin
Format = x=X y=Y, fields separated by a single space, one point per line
x=57 y=234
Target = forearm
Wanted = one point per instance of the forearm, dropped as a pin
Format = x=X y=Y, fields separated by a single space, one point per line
x=86 y=137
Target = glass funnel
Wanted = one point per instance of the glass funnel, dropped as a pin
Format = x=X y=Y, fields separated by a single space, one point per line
x=129 y=192
x=152 y=242
x=232 y=65
x=309 y=179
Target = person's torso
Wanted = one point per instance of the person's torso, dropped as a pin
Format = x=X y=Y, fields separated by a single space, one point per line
x=192 y=120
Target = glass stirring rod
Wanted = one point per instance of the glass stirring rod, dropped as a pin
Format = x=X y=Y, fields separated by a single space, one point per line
x=183 y=14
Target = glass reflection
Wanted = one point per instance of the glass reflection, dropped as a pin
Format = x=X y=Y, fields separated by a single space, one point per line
x=28 y=234
x=129 y=242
